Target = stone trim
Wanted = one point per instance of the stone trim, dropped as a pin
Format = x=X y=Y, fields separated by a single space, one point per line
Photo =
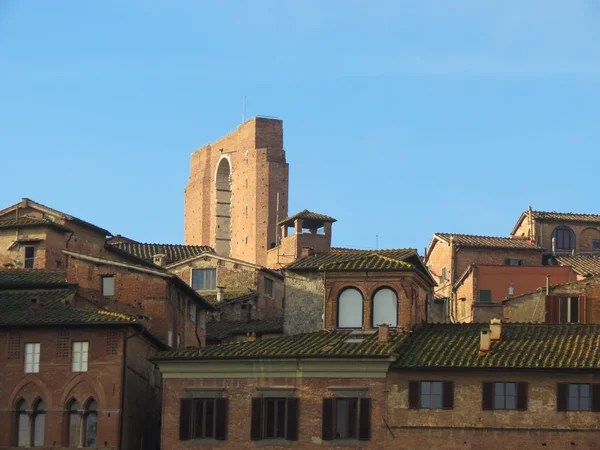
x=276 y=391
x=348 y=391
x=204 y=392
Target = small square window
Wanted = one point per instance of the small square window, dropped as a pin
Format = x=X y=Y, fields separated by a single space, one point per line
x=108 y=286
x=431 y=394
x=269 y=288
x=32 y=357
x=29 y=260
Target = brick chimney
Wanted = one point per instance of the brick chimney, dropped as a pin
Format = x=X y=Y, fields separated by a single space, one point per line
x=484 y=342
x=496 y=330
x=159 y=259
x=383 y=334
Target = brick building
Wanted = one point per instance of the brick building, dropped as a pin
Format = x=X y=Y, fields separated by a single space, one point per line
x=74 y=375
x=238 y=191
x=451 y=386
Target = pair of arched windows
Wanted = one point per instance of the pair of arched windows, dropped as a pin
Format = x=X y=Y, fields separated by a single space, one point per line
x=351 y=307
x=31 y=424
x=83 y=424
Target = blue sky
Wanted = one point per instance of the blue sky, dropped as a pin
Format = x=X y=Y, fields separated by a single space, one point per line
x=401 y=118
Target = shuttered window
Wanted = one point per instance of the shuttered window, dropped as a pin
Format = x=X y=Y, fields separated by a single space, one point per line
x=346 y=418
x=504 y=395
x=274 y=418
x=566 y=309
x=431 y=394
x=578 y=397
x=485 y=295
x=203 y=418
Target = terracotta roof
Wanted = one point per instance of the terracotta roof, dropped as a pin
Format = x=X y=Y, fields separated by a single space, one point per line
x=356 y=260
x=16 y=309
x=566 y=217
x=23 y=222
x=310 y=345
x=584 y=265
x=218 y=331
x=173 y=252
x=475 y=241
x=523 y=346
x=308 y=216
x=15 y=278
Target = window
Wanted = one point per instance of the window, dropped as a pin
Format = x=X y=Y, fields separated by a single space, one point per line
x=385 y=307
x=444 y=274
x=29 y=257
x=347 y=418
x=203 y=418
x=485 y=295
x=578 y=397
x=108 y=286
x=595 y=244
x=350 y=309
x=513 y=262
x=23 y=432
x=269 y=288
x=192 y=312
x=74 y=424
x=83 y=424
x=463 y=307
x=563 y=238
x=430 y=394
x=31 y=427
x=80 y=356
x=91 y=424
x=32 y=357
x=204 y=279
x=39 y=423
x=274 y=418
x=568 y=310
x=504 y=395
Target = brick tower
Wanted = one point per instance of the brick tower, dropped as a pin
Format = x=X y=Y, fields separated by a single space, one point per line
x=238 y=191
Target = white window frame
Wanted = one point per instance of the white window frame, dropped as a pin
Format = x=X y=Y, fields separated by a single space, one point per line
x=203 y=270
x=106 y=277
x=32 y=357
x=80 y=356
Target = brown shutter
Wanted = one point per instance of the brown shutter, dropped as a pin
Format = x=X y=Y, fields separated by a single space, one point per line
x=447 y=395
x=256 y=420
x=327 y=419
x=595 y=397
x=552 y=309
x=582 y=309
x=487 y=396
x=185 y=419
x=221 y=416
x=364 y=421
x=562 y=396
x=293 y=414
x=522 y=396
x=413 y=394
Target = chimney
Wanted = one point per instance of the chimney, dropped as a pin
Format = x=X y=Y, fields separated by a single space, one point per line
x=496 y=330
x=220 y=293
x=251 y=337
x=484 y=342
x=36 y=303
x=159 y=259
x=383 y=334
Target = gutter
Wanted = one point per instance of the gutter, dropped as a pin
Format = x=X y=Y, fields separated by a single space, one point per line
x=123 y=381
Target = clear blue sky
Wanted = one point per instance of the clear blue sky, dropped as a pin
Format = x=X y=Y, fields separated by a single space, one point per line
x=401 y=118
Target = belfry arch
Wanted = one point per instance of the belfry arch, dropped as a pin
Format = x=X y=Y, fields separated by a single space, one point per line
x=223 y=209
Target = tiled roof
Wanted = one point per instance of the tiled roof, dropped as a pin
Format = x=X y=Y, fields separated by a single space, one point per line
x=217 y=331
x=230 y=296
x=311 y=345
x=31 y=278
x=566 y=217
x=581 y=264
x=471 y=240
x=307 y=215
x=173 y=252
x=356 y=260
x=16 y=309
x=23 y=222
x=523 y=346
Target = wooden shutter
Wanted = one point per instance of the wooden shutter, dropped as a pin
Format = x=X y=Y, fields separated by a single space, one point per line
x=185 y=419
x=582 y=309
x=327 y=419
x=364 y=421
x=562 y=396
x=293 y=414
x=507 y=262
x=522 y=400
x=595 y=397
x=256 y=420
x=447 y=395
x=413 y=394
x=552 y=305
x=487 y=396
x=221 y=416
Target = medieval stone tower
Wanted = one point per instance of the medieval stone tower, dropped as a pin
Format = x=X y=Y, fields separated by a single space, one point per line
x=238 y=191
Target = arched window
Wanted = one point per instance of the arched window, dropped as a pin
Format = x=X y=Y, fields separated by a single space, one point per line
x=91 y=424
x=385 y=307
x=74 y=424
x=350 y=309
x=223 y=208
x=39 y=423
x=564 y=238
x=23 y=430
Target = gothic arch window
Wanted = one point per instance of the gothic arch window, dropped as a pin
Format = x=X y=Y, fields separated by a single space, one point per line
x=90 y=430
x=82 y=423
x=74 y=423
x=223 y=208
x=385 y=307
x=350 y=309
x=23 y=430
x=39 y=423
x=564 y=238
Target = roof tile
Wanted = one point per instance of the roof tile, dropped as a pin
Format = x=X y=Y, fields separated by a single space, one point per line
x=221 y=330
x=31 y=278
x=566 y=217
x=356 y=260
x=475 y=241
x=307 y=215
x=23 y=222
x=586 y=265
x=173 y=252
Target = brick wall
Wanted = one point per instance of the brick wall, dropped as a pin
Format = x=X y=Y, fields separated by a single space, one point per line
x=303 y=303
x=439 y=258
x=584 y=233
x=493 y=257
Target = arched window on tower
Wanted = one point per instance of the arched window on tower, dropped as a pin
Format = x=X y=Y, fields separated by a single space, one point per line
x=385 y=307
x=563 y=238
x=23 y=429
x=350 y=309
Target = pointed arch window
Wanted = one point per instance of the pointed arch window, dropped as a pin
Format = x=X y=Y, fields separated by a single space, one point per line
x=39 y=423
x=385 y=307
x=23 y=431
x=350 y=309
x=91 y=424
x=74 y=424
x=82 y=424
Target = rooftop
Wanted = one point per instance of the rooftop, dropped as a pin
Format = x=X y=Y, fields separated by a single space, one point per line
x=18 y=278
x=475 y=241
x=23 y=222
x=173 y=252
x=568 y=217
x=343 y=259
x=310 y=219
x=217 y=331
x=585 y=265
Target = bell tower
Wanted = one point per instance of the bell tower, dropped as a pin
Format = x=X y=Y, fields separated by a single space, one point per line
x=238 y=190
